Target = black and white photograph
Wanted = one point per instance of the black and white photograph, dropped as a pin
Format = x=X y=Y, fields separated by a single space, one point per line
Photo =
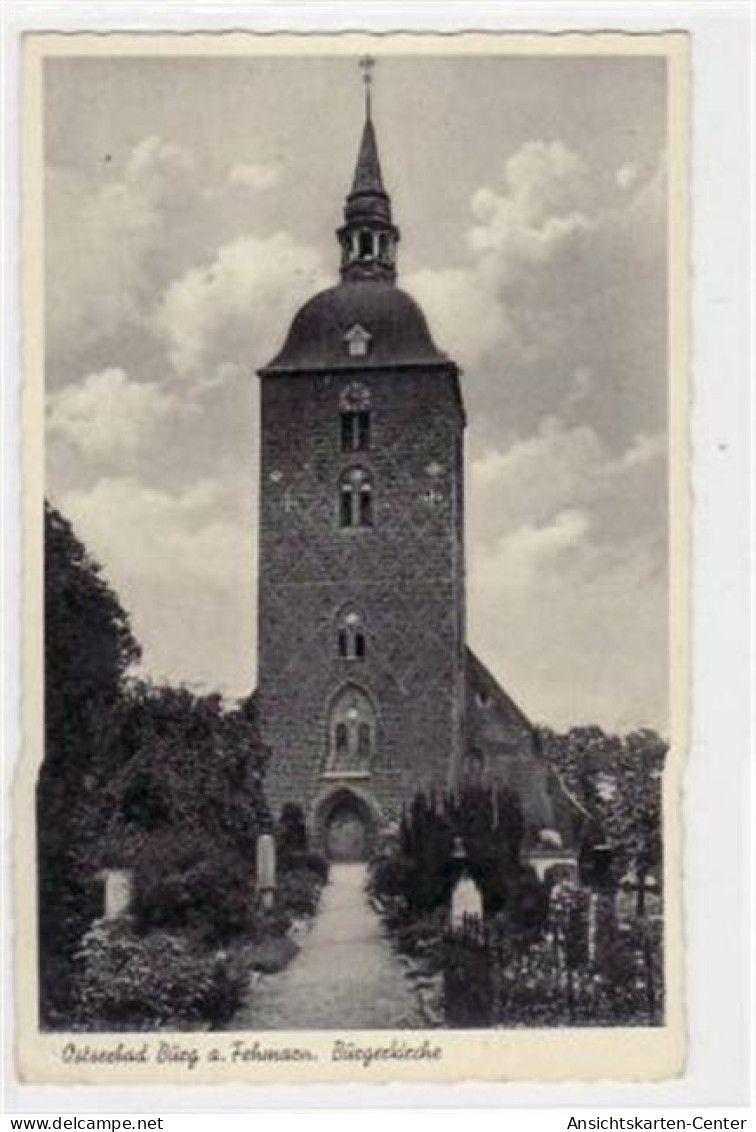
x=361 y=527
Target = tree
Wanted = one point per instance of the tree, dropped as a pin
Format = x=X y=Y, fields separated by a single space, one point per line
x=183 y=808
x=617 y=780
x=489 y=824
x=632 y=814
x=582 y=756
x=89 y=648
x=188 y=763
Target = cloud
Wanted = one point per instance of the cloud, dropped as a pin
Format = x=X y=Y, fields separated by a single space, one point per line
x=254 y=175
x=488 y=308
x=565 y=275
x=107 y=417
x=627 y=175
x=579 y=390
x=118 y=236
x=521 y=555
x=582 y=625
x=182 y=564
x=534 y=480
x=517 y=230
x=153 y=162
x=538 y=209
x=644 y=450
x=456 y=299
x=231 y=311
x=99 y=239
x=568 y=548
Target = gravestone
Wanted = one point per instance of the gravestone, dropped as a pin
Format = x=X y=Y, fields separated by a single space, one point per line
x=466 y=901
x=266 y=868
x=118 y=885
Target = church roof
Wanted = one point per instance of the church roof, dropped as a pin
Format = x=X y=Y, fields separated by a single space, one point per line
x=497 y=728
x=482 y=684
x=318 y=337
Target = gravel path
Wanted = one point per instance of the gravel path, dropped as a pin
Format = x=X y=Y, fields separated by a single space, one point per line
x=345 y=977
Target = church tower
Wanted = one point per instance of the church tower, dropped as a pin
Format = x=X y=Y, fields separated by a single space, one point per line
x=361 y=545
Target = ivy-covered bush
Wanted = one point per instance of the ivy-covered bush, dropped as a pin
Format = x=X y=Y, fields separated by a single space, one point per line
x=159 y=980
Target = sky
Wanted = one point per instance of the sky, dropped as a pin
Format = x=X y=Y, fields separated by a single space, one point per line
x=190 y=208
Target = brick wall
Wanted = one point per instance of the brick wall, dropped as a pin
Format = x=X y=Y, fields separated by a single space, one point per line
x=405 y=575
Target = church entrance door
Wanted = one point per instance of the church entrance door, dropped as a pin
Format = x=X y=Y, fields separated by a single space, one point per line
x=346 y=833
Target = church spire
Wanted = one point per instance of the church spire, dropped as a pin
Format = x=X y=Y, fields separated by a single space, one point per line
x=368 y=238
x=367 y=174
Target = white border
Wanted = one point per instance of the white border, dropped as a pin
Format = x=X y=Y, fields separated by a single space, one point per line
x=717 y=780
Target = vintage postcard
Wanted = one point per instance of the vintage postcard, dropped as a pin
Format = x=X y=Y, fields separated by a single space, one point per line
x=356 y=560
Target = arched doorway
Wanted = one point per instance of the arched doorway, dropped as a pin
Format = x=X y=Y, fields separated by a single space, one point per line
x=345 y=825
x=346 y=832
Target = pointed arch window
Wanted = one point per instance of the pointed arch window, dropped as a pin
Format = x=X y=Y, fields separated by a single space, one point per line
x=356 y=503
x=352 y=732
x=350 y=636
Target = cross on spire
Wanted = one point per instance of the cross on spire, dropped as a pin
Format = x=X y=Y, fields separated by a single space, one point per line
x=366 y=64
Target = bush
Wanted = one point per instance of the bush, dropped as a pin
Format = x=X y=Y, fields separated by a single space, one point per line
x=390 y=877
x=270 y=923
x=425 y=866
x=315 y=863
x=632 y=964
x=528 y=908
x=190 y=883
x=422 y=937
x=131 y=982
x=291 y=836
x=299 y=892
x=491 y=979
